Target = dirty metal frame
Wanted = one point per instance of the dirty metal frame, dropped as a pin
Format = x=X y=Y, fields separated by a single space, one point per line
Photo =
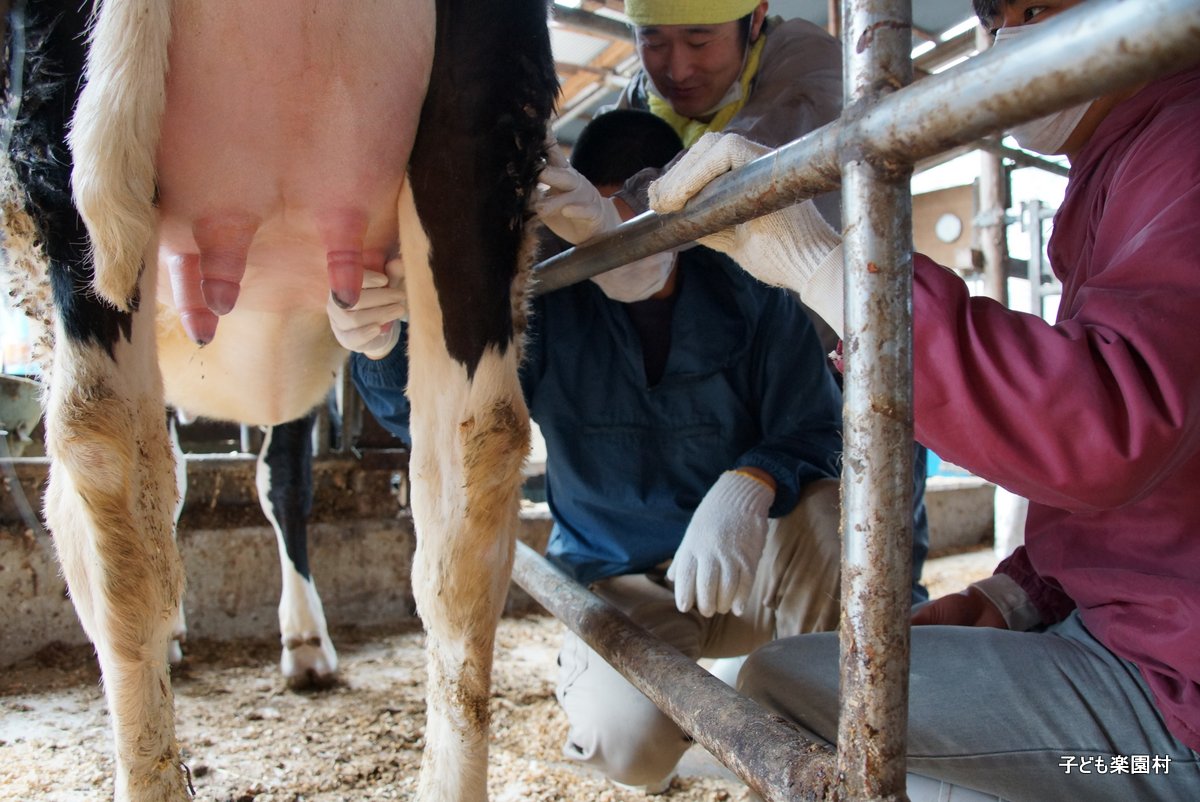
x=1098 y=48
x=877 y=464
x=770 y=754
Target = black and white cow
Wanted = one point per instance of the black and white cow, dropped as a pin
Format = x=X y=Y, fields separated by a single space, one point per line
x=237 y=162
x=284 y=481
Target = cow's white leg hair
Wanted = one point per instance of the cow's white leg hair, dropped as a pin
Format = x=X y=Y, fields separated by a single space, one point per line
x=110 y=504
x=111 y=496
x=469 y=440
x=308 y=651
x=114 y=137
x=179 y=630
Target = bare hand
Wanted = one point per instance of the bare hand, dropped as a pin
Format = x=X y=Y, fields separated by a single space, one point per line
x=970 y=608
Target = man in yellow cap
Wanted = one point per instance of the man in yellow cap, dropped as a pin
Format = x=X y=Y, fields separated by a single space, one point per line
x=699 y=60
x=707 y=66
x=715 y=65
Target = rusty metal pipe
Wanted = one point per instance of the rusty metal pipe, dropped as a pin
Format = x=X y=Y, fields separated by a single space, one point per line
x=594 y=24
x=1099 y=47
x=1022 y=158
x=990 y=225
x=767 y=753
x=877 y=418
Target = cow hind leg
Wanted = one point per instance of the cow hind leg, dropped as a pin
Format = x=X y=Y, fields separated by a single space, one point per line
x=470 y=435
x=111 y=493
x=462 y=563
x=284 y=479
x=463 y=215
x=179 y=629
x=110 y=503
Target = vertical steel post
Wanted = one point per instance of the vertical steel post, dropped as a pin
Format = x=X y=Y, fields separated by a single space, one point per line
x=877 y=473
x=1033 y=218
x=834 y=25
x=992 y=225
x=990 y=222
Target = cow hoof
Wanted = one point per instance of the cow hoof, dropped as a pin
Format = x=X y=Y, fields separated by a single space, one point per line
x=168 y=782
x=309 y=663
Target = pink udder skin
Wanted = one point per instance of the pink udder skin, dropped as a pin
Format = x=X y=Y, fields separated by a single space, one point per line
x=206 y=285
x=279 y=168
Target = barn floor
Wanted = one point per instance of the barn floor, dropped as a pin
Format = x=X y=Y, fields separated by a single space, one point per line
x=247 y=738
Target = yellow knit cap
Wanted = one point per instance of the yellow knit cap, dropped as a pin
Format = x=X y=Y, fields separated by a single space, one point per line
x=687 y=12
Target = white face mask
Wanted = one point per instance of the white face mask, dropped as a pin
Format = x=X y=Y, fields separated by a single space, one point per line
x=1046 y=134
x=637 y=281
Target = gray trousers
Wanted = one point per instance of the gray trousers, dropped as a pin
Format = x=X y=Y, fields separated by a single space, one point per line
x=1026 y=716
x=616 y=729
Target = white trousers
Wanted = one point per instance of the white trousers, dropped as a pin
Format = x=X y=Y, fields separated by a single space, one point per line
x=616 y=729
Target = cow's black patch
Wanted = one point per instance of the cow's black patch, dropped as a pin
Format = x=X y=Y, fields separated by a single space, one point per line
x=49 y=69
x=288 y=460
x=476 y=159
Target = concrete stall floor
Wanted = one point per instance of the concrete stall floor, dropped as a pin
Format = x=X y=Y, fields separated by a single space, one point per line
x=245 y=736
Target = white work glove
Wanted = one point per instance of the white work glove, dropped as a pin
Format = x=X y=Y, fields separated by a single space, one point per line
x=371 y=326
x=714 y=566
x=793 y=247
x=570 y=206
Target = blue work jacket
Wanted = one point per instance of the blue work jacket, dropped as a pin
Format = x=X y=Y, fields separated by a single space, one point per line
x=745 y=384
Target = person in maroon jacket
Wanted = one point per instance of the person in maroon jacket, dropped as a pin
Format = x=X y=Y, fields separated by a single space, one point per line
x=1074 y=671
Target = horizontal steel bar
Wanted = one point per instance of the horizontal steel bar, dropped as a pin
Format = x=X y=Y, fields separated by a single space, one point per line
x=767 y=753
x=1098 y=47
x=1022 y=158
x=594 y=24
x=930 y=60
x=1019 y=157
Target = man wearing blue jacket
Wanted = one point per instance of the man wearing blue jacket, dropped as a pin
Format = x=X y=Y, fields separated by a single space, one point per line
x=693 y=433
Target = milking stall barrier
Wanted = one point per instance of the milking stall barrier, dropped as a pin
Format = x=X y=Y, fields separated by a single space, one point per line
x=887 y=126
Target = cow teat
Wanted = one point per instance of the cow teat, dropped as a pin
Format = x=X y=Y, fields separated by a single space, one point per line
x=224 y=243
x=199 y=322
x=343 y=231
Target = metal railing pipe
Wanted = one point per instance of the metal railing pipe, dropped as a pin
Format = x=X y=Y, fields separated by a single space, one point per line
x=877 y=481
x=1096 y=48
x=990 y=227
x=594 y=24
x=767 y=753
x=1022 y=158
